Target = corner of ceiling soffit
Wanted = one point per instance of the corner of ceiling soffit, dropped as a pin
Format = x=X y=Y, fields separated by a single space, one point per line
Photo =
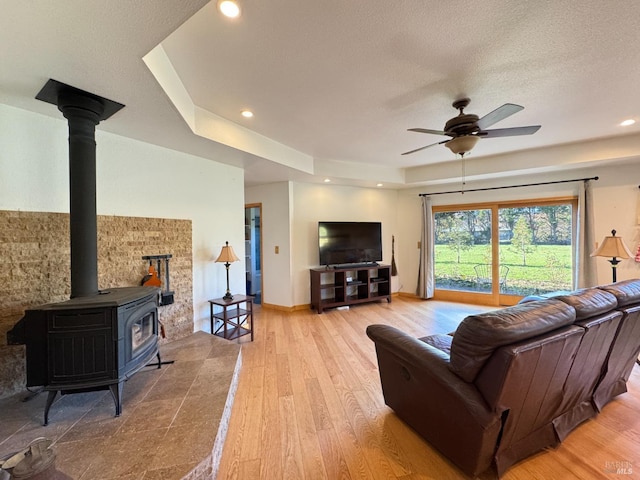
x=218 y=129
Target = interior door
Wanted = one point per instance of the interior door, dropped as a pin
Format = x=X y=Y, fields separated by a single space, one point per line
x=253 y=250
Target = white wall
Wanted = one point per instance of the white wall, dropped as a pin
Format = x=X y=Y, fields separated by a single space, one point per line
x=286 y=280
x=133 y=179
x=291 y=212
x=617 y=206
x=313 y=203
x=407 y=252
x=615 y=196
x=276 y=232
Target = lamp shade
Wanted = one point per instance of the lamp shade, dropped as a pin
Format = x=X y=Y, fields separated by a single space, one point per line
x=227 y=255
x=612 y=246
x=463 y=144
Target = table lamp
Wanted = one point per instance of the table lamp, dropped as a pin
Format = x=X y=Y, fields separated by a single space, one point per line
x=227 y=255
x=614 y=247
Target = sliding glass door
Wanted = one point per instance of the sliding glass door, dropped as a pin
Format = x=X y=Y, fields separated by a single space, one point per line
x=498 y=253
x=463 y=243
x=537 y=248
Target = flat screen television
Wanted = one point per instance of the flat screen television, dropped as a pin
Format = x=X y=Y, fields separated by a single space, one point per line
x=349 y=242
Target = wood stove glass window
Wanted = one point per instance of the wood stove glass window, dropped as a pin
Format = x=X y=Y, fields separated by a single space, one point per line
x=141 y=331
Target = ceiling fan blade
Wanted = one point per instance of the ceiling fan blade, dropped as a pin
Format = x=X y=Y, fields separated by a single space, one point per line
x=427 y=130
x=509 y=132
x=498 y=114
x=422 y=148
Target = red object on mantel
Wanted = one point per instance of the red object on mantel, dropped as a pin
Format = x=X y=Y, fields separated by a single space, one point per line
x=638 y=255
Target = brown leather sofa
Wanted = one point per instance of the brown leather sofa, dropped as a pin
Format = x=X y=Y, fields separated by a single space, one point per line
x=624 y=352
x=514 y=381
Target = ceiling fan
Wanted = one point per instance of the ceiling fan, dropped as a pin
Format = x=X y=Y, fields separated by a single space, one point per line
x=466 y=128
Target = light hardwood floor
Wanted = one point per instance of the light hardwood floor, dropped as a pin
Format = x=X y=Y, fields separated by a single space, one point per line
x=309 y=406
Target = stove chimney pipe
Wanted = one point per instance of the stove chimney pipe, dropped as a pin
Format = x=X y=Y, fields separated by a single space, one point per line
x=83 y=112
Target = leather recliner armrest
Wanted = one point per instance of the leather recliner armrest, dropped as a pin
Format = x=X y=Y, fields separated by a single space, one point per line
x=447 y=411
x=434 y=364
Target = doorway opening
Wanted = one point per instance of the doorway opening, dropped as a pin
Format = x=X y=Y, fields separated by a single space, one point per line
x=253 y=250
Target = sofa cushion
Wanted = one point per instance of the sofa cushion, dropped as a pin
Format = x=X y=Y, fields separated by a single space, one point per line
x=627 y=292
x=440 y=341
x=589 y=302
x=479 y=335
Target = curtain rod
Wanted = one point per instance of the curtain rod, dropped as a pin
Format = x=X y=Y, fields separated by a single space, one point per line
x=511 y=186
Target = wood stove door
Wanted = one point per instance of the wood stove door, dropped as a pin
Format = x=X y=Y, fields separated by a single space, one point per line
x=138 y=335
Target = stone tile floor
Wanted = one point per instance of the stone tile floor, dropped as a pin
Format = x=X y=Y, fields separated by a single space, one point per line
x=173 y=422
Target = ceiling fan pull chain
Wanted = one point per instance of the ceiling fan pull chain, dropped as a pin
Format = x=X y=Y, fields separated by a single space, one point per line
x=464 y=174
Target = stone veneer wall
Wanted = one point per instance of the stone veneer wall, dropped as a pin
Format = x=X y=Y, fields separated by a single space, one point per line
x=35 y=269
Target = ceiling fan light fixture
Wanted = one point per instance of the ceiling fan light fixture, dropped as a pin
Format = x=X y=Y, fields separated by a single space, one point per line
x=463 y=144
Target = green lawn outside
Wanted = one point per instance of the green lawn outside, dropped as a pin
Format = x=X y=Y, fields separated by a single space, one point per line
x=548 y=268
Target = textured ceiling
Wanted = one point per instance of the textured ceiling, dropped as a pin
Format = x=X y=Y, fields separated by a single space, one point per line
x=340 y=82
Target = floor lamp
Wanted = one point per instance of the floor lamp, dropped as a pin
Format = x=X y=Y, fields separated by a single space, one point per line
x=227 y=256
x=615 y=248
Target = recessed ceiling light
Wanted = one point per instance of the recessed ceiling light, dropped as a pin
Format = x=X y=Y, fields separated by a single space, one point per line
x=229 y=8
x=626 y=123
x=246 y=113
x=327 y=180
x=378 y=185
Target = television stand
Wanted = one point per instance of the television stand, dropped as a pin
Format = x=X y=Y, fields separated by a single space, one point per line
x=349 y=285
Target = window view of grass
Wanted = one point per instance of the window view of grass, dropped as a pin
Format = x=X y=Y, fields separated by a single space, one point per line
x=534 y=245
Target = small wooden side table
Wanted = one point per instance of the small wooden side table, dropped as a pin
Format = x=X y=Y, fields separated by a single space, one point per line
x=237 y=319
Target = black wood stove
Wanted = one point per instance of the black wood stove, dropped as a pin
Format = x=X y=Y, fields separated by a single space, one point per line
x=89 y=343
x=97 y=339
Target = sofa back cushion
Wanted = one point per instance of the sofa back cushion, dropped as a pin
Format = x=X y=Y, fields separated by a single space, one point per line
x=627 y=292
x=478 y=336
x=590 y=302
x=525 y=382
